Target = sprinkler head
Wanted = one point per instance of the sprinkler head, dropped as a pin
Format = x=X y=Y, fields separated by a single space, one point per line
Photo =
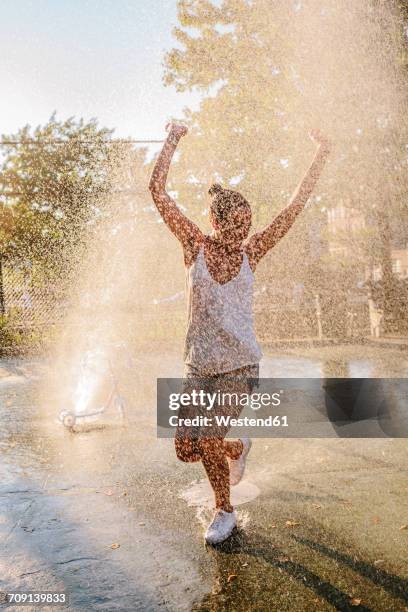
x=67 y=418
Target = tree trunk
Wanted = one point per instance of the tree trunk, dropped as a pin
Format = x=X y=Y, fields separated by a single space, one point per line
x=386 y=268
x=2 y=300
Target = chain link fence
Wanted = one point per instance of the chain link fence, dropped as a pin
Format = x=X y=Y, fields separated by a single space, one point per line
x=31 y=309
x=27 y=301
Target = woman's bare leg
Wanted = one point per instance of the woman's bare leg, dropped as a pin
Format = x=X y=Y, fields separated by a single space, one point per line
x=186 y=449
x=215 y=463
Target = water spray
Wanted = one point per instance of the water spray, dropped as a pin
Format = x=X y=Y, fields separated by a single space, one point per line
x=88 y=380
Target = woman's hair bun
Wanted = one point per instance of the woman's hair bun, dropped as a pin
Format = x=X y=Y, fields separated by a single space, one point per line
x=215 y=188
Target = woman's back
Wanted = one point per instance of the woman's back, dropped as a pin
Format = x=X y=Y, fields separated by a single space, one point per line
x=220 y=334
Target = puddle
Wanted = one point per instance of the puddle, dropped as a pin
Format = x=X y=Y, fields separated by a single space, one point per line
x=199 y=494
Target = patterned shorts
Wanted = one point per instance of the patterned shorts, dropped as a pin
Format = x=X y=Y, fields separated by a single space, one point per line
x=240 y=381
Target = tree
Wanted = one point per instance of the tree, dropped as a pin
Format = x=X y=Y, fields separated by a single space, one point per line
x=53 y=180
x=270 y=71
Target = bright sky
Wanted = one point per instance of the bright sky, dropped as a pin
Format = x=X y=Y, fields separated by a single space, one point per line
x=88 y=58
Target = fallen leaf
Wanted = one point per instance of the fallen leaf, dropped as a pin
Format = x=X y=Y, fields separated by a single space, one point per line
x=245 y=565
x=378 y=562
x=292 y=523
x=355 y=601
x=403 y=527
x=232 y=577
x=115 y=545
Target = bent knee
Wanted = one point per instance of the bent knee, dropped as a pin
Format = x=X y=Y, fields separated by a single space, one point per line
x=210 y=447
x=185 y=450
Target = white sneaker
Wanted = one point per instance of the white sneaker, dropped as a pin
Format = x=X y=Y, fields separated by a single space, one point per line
x=220 y=527
x=237 y=466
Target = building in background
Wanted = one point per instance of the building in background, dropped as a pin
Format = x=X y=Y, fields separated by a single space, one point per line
x=399 y=259
x=344 y=223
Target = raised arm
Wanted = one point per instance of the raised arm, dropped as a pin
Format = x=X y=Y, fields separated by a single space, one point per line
x=261 y=242
x=184 y=229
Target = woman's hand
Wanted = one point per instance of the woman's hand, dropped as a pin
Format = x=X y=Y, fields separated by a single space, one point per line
x=176 y=130
x=260 y=243
x=185 y=230
x=318 y=138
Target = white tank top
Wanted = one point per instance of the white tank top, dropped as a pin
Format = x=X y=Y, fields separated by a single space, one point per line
x=220 y=332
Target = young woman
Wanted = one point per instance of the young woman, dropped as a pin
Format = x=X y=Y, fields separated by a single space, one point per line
x=220 y=344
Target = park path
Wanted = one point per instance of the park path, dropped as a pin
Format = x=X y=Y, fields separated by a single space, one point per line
x=100 y=515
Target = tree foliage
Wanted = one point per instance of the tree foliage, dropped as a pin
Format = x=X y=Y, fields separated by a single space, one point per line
x=52 y=185
x=269 y=72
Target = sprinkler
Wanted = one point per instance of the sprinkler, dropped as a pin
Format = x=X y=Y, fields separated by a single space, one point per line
x=114 y=401
x=70 y=419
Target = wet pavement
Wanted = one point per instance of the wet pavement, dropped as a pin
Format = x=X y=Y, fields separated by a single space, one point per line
x=109 y=516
